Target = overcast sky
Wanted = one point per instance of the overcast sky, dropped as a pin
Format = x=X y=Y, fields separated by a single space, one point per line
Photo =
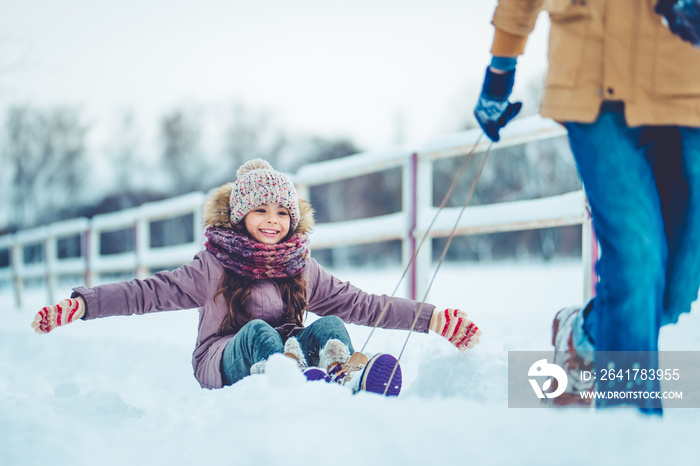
x=326 y=67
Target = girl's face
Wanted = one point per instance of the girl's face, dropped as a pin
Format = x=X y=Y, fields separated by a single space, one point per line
x=268 y=223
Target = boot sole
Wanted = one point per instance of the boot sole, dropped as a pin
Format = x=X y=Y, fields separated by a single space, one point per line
x=382 y=375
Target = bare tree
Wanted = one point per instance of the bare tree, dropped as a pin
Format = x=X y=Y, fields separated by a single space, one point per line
x=126 y=160
x=181 y=152
x=249 y=135
x=45 y=154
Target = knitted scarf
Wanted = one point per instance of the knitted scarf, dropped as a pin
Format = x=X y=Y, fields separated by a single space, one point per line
x=251 y=259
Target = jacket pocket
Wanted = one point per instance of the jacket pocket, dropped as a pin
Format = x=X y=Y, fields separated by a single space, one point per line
x=569 y=23
x=676 y=67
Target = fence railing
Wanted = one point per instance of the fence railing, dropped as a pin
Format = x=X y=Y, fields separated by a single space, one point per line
x=409 y=225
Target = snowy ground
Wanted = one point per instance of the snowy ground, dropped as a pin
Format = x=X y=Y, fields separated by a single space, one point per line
x=121 y=391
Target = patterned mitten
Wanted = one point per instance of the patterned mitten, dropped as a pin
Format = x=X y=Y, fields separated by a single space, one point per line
x=454 y=325
x=682 y=18
x=62 y=313
x=493 y=110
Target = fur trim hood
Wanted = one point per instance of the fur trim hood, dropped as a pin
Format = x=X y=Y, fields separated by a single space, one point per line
x=217 y=211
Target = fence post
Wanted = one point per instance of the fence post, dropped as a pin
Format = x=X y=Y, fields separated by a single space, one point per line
x=197 y=220
x=423 y=206
x=408 y=194
x=50 y=257
x=93 y=240
x=16 y=257
x=589 y=250
x=595 y=253
x=85 y=254
x=142 y=240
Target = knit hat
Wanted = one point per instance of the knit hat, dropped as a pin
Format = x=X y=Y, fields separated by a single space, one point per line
x=258 y=183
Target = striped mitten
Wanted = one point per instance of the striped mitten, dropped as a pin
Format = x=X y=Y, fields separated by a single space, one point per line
x=62 y=313
x=454 y=325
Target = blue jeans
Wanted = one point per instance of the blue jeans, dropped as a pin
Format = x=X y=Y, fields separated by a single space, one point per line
x=258 y=340
x=643 y=186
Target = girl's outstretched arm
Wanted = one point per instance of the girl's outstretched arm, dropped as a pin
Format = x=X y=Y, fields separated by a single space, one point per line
x=186 y=287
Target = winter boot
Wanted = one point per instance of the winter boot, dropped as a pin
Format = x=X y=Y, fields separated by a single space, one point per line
x=333 y=353
x=380 y=374
x=568 y=358
x=258 y=367
x=311 y=373
x=343 y=372
x=293 y=350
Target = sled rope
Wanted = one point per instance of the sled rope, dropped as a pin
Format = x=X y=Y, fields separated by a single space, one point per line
x=447 y=196
x=447 y=245
x=442 y=259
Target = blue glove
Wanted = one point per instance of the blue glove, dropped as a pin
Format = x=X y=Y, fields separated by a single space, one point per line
x=493 y=111
x=682 y=18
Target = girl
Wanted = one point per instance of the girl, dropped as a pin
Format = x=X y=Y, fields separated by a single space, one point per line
x=253 y=284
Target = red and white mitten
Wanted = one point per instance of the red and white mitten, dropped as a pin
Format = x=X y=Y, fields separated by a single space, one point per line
x=62 y=313
x=454 y=325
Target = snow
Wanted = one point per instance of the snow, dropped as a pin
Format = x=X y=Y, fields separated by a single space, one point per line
x=120 y=391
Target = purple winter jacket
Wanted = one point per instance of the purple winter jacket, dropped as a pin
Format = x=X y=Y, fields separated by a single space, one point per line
x=195 y=284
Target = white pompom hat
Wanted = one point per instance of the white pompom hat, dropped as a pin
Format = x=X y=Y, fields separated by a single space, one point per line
x=258 y=183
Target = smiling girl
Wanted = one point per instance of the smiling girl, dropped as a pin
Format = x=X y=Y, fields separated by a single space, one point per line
x=254 y=284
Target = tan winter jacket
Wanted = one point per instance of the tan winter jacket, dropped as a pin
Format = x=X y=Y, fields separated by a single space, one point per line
x=607 y=50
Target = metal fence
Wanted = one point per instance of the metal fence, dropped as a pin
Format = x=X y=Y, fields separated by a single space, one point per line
x=74 y=247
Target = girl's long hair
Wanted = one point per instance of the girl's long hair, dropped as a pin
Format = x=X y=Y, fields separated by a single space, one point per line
x=236 y=292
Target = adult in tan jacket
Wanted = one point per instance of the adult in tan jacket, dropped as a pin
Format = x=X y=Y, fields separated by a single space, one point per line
x=627 y=88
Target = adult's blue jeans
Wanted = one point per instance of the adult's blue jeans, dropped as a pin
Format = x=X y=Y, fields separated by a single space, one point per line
x=258 y=340
x=643 y=187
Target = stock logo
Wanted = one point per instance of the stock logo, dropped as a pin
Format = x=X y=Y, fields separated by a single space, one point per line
x=542 y=368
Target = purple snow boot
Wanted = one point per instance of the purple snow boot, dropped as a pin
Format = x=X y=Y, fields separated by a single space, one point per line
x=379 y=374
x=382 y=375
